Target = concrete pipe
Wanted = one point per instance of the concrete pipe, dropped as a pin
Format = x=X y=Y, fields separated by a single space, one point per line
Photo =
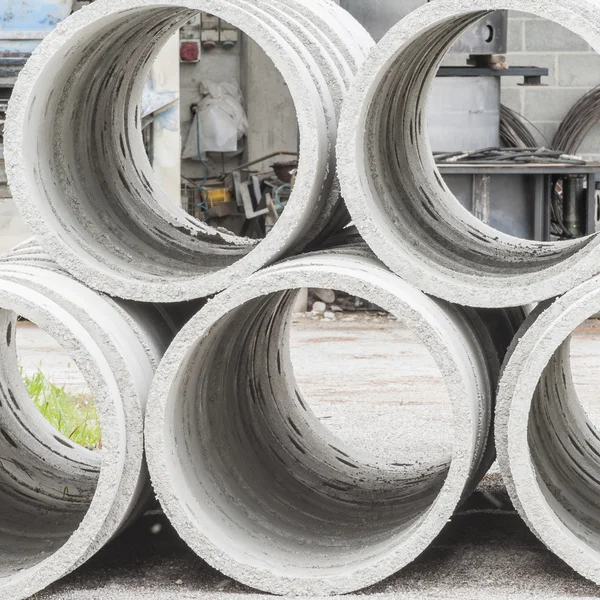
x=395 y=193
x=175 y=315
x=253 y=481
x=61 y=502
x=548 y=448
x=78 y=168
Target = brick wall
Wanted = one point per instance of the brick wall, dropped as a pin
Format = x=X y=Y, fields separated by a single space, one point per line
x=574 y=69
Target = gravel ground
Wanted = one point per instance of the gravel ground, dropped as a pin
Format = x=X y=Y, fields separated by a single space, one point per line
x=485 y=553
x=373 y=384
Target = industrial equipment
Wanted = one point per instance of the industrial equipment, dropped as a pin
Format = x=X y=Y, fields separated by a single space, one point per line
x=532 y=198
x=533 y=194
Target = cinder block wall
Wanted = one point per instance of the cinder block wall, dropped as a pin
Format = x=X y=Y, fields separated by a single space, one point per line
x=574 y=70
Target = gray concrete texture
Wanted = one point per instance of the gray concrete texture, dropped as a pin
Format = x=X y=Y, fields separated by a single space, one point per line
x=547 y=442
x=252 y=480
x=60 y=502
x=249 y=475
x=79 y=172
x=485 y=552
x=395 y=194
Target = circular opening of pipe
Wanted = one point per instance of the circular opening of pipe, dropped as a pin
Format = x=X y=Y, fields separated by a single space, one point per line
x=564 y=444
x=80 y=162
x=552 y=465
x=370 y=381
x=237 y=167
x=48 y=480
x=295 y=501
x=56 y=386
x=423 y=226
x=487 y=140
x=261 y=488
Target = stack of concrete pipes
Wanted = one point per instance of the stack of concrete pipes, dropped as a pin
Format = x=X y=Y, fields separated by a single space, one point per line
x=247 y=474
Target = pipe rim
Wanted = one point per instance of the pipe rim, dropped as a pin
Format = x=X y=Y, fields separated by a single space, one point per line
x=463 y=286
x=543 y=335
x=354 y=279
x=108 y=500
x=314 y=155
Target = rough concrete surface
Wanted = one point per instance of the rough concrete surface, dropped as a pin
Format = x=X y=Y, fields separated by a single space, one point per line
x=548 y=444
x=486 y=552
x=62 y=502
x=393 y=189
x=255 y=483
x=93 y=198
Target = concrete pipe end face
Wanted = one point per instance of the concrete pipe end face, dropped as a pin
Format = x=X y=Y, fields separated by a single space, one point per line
x=60 y=502
x=252 y=480
x=548 y=449
x=80 y=175
x=395 y=193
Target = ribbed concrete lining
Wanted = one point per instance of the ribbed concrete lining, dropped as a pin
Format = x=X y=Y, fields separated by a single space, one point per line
x=79 y=172
x=60 y=502
x=548 y=449
x=395 y=193
x=252 y=480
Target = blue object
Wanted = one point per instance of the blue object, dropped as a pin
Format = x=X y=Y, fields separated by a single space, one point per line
x=38 y=16
x=33 y=15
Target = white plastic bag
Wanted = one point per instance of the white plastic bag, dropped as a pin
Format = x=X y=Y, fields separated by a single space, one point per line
x=220 y=121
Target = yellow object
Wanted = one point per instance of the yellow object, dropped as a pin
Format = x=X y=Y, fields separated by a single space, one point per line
x=216 y=196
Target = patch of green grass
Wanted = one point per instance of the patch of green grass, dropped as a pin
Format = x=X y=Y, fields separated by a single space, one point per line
x=73 y=415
